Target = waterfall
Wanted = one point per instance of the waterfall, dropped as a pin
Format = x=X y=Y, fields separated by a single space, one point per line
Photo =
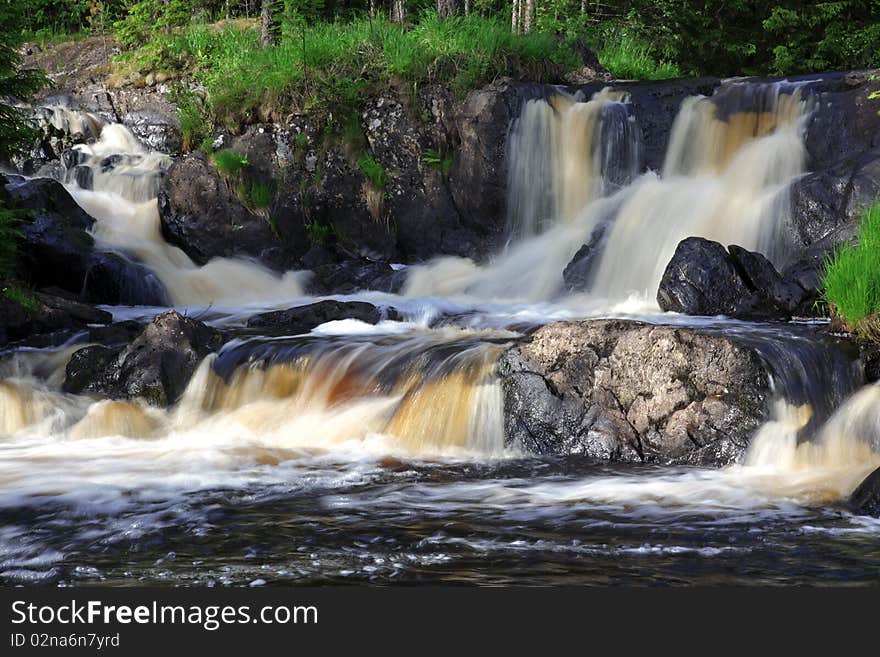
x=573 y=181
x=116 y=180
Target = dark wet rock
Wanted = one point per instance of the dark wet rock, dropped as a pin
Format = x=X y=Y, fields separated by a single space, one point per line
x=353 y=275
x=86 y=366
x=156 y=366
x=15 y=321
x=157 y=130
x=303 y=319
x=201 y=214
x=628 y=391
x=78 y=312
x=865 y=500
x=46 y=314
x=703 y=278
x=416 y=199
x=115 y=280
x=578 y=273
x=118 y=333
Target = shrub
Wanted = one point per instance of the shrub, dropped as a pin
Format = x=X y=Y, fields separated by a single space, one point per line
x=436 y=159
x=373 y=171
x=851 y=283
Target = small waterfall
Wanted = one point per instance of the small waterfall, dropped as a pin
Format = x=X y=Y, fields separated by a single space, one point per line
x=726 y=177
x=563 y=153
x=116 y=180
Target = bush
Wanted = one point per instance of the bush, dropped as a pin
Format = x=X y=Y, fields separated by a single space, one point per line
x=319 y=234
x=851 y=283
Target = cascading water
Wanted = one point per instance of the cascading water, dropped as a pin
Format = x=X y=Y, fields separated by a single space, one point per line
x=369 y=452
x=121 y=184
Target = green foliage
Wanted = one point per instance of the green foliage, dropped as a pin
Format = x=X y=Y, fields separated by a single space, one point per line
x=261 y=195
x=437 y=160
x=628 y=57
x=21 y=296
x=193 y=125
x=230 y=162
x=16 y=133
x=373 y=171
x=319 y=234
x=851 y=284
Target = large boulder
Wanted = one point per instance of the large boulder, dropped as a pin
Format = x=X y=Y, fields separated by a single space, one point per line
x=37 y=314
x=155 y=367
x=628 y=391
x=703 y=278
x=202 y=214
x=303 y=319
x=865 y=500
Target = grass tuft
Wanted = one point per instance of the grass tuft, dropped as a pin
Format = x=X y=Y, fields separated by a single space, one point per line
x=851 y=284
x=373 y=171
x=230 y=162
x=261 y=195
x=627 y=57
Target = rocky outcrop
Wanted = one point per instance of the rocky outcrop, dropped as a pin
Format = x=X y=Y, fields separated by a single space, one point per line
x=865 y=500
x=57 y=250
x=202 y=214
x=40 y=313
x=303 y=319
x=156 y=366
x=703 y=278
x=628 y=391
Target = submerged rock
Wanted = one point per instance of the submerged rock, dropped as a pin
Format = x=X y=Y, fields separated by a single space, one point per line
x=865 y=500
x=156 y=366
x=303 y=319
x=628 y=391
x=703 y=278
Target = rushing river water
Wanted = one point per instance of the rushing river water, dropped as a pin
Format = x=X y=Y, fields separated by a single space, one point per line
x=363 y=453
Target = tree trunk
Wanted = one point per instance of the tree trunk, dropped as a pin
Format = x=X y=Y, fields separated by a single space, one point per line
x=398 y=11
x=529 y=14
x=445 y=8
x=467 y=7
x=267 y=30
x=514 y=17
x=372 y=8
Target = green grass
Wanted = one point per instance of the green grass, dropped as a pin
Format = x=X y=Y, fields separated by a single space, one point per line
x=327 y=68
x=319 y=234
x=230 y=162
x=373 y=171
x=629 y=58
x=438 y=160
x=21 y=296
x=261 y=195
x=851 y=284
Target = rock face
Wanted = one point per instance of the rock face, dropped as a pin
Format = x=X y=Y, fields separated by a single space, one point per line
x=156 y=366
x=57 y=250
x=201 y=214
x=303 y=319
x=628 y=391
x=45 y=314
x=703 y=278
x=865 y=500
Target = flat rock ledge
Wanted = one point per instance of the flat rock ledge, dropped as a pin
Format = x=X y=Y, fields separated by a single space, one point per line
x=621 y=390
